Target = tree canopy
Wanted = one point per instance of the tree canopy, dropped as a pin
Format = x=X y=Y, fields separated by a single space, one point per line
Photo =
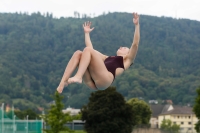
x=55 y=119
x=196 y=109
x=107 y=112
x=167 y=125
x=142 y=111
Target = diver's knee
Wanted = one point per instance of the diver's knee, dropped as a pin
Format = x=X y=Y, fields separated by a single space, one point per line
x=88 y=49
x=77 y=54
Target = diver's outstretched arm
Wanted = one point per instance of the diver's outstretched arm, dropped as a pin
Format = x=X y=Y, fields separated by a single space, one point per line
x=87 y=30
x=136 y=38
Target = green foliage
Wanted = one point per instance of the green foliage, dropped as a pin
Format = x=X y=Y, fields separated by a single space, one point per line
x=167 y=125
x=197 y=126
x=55 y=118
x=196 y=109
x=32 y=115
x=76 y=117
x=142 y=111
x=76 y=131
x=107 y=112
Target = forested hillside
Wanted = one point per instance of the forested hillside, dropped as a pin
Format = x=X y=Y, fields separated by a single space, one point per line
x=35 y=49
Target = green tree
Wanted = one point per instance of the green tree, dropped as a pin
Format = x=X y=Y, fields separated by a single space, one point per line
x=20 y=114
x=141 y=110
x=169 y=126
x=107 y=112
x=196 y=109
x=76 y=117
x=32 y=115
x=55 y=118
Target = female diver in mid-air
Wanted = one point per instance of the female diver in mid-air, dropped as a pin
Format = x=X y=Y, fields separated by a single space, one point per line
x=97 y=70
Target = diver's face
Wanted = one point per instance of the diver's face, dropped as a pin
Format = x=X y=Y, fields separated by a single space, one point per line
x=122 y=51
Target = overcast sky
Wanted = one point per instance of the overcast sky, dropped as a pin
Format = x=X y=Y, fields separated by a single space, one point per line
x=189 y=9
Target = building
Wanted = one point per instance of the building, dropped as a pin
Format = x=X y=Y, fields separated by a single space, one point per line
x=183 y=116
x=156 y=111
x=180 y=115
x=71 y=111
x=153 y=102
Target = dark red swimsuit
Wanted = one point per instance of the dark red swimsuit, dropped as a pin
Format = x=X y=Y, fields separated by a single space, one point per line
x=114 y=62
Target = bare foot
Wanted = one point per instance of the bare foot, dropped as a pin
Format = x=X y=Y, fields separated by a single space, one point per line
x=61 y=87
x=75 y=79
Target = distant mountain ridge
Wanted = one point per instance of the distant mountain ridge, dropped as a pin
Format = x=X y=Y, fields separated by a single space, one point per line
x=35 y=49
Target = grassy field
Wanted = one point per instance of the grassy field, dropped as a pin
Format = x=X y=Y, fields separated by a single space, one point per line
x=80 y=131
x=76 y=131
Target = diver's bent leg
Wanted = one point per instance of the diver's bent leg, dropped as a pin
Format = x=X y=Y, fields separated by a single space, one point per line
x=91 y=60
x=83 y=65
x=71 y=66
x=87 y=79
